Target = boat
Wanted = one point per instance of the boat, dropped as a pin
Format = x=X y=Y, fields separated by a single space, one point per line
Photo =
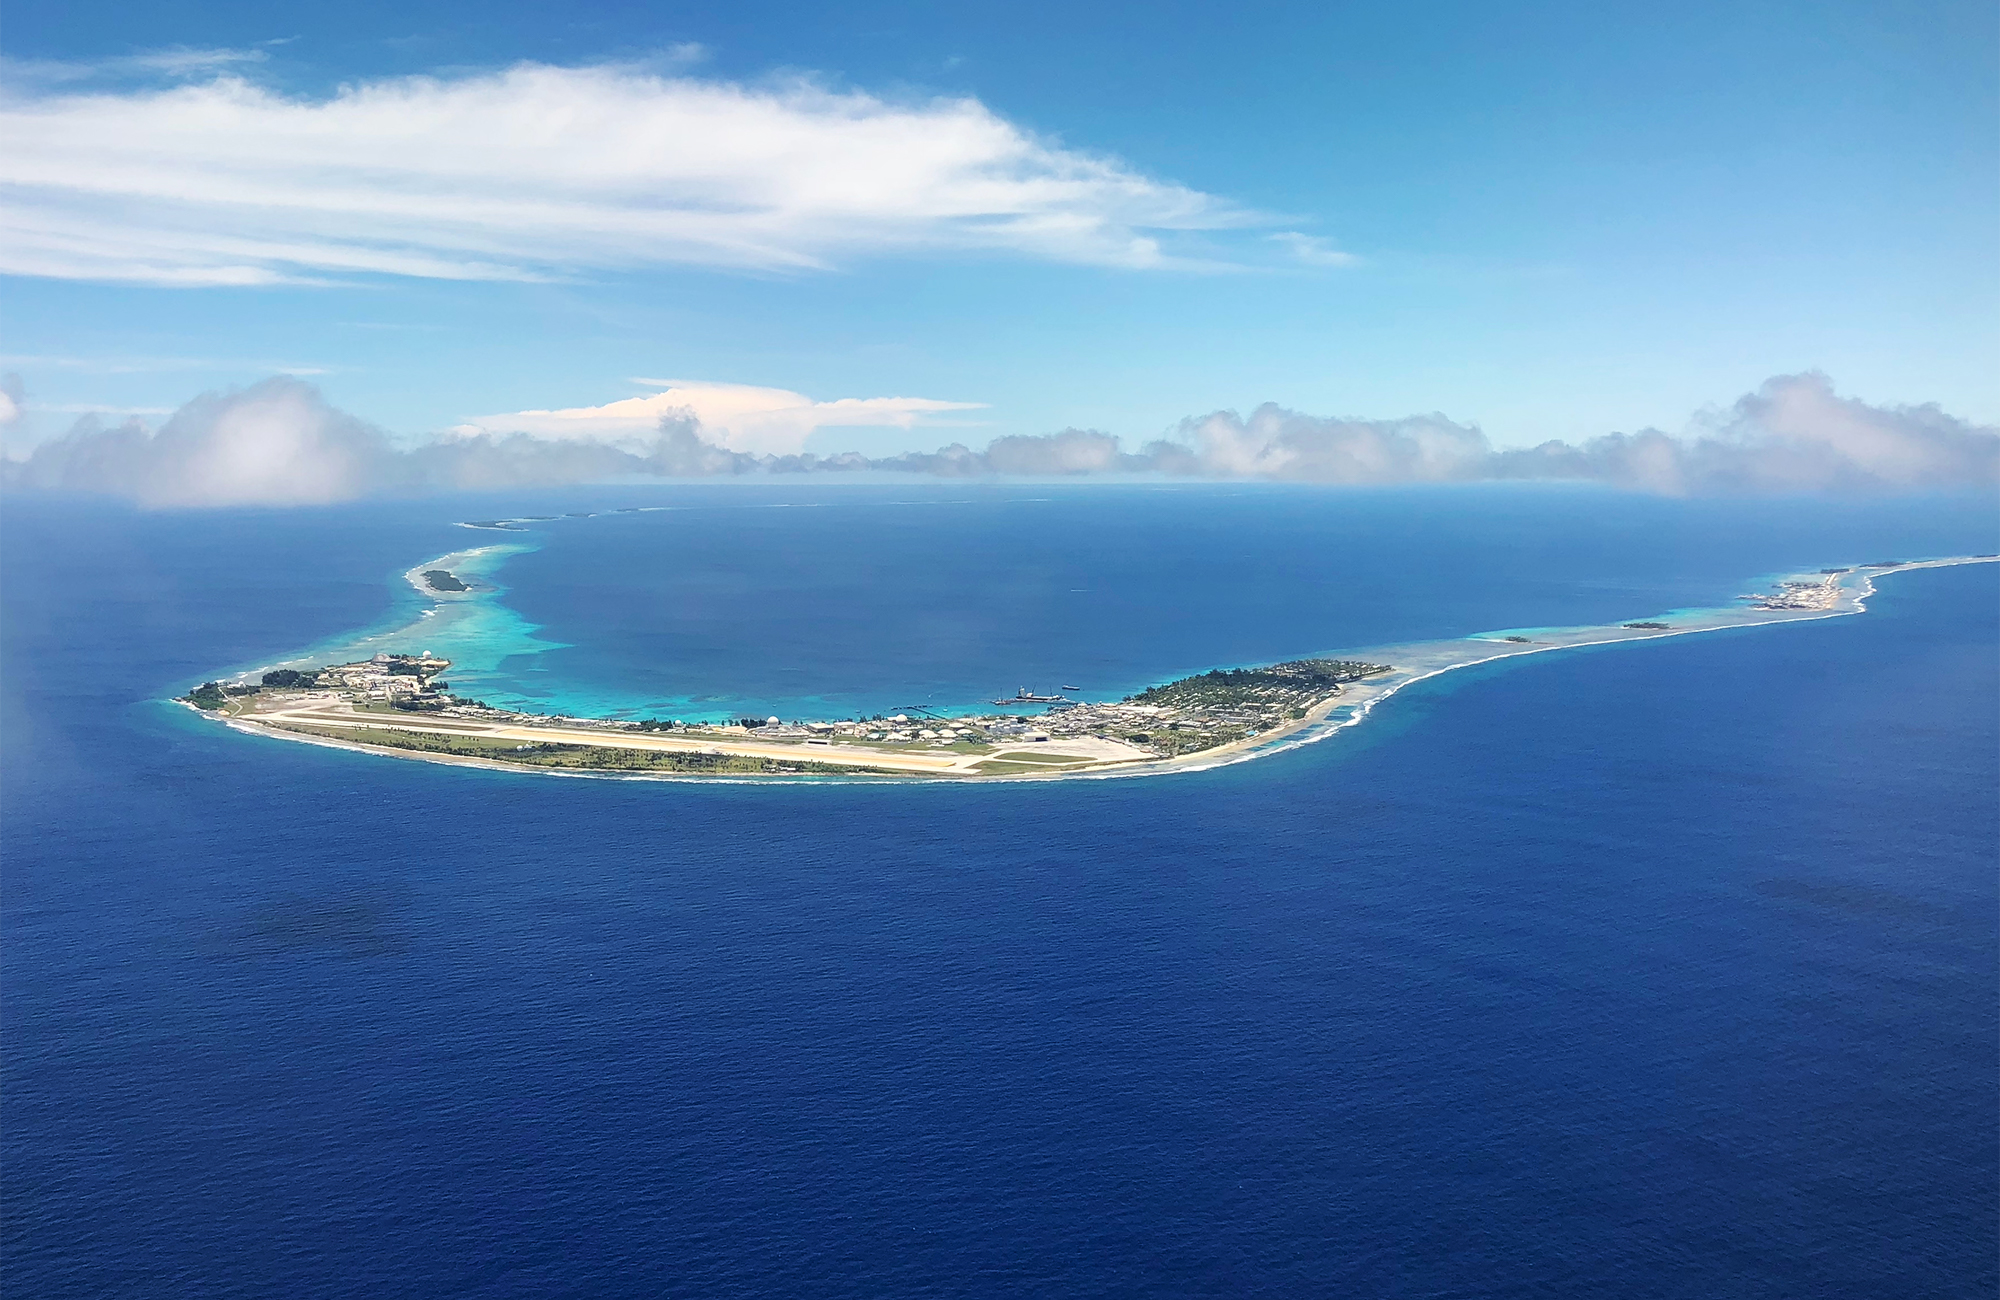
x=1072 y=688
x=1026 y=696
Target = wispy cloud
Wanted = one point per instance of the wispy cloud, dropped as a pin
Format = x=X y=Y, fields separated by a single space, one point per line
x=1312 y=250
x=738 y=417
x=177 y=63
x=140 y=365
x=537 y=172
x=89 y=408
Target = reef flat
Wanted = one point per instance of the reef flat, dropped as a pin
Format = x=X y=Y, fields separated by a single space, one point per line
x=400 y=703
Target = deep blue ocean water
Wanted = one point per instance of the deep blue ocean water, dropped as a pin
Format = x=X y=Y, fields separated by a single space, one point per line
x=1654 y=970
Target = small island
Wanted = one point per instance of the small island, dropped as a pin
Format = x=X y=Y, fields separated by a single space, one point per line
x=443 y=580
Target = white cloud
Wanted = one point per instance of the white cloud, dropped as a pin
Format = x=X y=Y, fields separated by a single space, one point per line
x=1275 y=443
x=1794 y=434
x=539 y=171
x=740 y=417
x=175 y=63
x=280 y=443
x=1312 y=250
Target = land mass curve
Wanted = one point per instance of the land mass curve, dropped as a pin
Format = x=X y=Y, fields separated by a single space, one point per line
x=400 y=704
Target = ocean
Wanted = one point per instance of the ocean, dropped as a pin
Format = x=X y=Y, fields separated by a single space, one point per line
x=1655 y=970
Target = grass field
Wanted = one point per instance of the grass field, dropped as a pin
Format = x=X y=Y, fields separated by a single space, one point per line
x=592 y=758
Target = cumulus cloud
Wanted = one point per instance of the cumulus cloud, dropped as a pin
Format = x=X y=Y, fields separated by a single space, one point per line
x=740 y=417
x=280 y=443
x=1794 y=434
x=1275 y=443
x=538 y=171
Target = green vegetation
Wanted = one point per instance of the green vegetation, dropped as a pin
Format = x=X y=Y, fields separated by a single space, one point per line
x=208 y=695
x=1279 y=683
x=1172 y=742
x=1646 y=627
x=1518 y=640
x=1231 y=704
x=289 y=678
x=442 y=580
x=591 y=758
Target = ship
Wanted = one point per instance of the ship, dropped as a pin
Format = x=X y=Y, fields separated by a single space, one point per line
x=1026 y=696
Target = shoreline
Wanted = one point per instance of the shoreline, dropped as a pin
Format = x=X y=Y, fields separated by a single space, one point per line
x=445 y=618
x=1827 y=594
x=1856 y=603
x=453 y=564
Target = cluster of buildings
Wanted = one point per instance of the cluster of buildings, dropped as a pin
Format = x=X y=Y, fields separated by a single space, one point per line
x=386 y=676
x=1163 y=728
x=1196 y=714
x=1824 y=594
x=1166 y=730
x=902 y=727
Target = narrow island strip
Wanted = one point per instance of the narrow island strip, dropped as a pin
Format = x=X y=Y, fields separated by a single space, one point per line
x=401 y=704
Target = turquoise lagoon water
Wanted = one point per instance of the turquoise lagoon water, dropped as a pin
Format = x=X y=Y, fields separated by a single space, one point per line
x=860 y=601
x=483 y=636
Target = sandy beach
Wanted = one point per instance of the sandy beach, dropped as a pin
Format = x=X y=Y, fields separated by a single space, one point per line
x=452 y=564
x=325 y=719
x=1420 y=661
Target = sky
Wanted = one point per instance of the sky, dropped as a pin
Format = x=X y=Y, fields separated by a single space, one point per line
x=884 y=227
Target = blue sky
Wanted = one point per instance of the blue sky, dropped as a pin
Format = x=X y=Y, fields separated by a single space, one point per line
x=1550 y=220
